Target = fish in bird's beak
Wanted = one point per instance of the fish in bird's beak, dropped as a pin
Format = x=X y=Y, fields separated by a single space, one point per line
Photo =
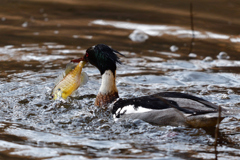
x=72 y=78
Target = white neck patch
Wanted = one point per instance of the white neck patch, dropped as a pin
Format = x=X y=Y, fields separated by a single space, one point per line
x=108 y=83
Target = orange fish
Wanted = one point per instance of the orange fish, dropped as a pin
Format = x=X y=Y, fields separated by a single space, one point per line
x=69 y=83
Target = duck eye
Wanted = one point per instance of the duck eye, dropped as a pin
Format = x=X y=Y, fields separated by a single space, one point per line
x=87 y=54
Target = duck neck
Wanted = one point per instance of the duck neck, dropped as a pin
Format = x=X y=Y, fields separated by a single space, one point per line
x=108 y=91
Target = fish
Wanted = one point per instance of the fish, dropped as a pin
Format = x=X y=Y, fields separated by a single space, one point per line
x=70 y=80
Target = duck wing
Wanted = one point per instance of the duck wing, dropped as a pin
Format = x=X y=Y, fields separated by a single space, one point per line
x=189 y=103
x=189 y=97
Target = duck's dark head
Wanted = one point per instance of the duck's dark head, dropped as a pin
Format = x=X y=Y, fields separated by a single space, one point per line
x=103 y=57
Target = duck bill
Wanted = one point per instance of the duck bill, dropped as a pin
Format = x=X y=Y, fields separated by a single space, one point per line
x=83 y=60
x=77 y=60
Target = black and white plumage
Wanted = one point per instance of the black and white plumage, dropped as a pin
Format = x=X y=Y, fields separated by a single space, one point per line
x=168 y=108
x=164 y=108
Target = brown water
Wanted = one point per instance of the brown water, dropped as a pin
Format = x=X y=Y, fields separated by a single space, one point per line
x=38 y=39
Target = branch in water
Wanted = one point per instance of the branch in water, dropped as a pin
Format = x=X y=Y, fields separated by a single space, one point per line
x=216 y=132
x=192 y=27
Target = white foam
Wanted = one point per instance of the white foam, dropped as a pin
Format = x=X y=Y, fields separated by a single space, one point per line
x=56 y=46
x=193 y=55
x=159 y=30
x=133 y=26
x=217 y=36
x=41 y=58
x=235 y=40
x=138 y=36
x=67 y=51
x=169 y=54
x=25 y=24
x=173 y=48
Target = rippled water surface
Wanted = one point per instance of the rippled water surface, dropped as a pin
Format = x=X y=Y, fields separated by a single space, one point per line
x=38 y=39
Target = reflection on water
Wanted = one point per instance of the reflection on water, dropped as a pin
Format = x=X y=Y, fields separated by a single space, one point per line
x=159 y=30
x=38 y=38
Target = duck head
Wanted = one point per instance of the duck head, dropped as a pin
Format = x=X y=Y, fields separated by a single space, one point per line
x=103 y=57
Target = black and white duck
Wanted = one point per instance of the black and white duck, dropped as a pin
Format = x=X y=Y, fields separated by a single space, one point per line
x=164 y=108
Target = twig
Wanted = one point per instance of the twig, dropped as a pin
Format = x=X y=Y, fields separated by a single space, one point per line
x=216 y=132
x=192 y=27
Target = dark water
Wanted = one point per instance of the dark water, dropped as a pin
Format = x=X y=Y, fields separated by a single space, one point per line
x=38 y=39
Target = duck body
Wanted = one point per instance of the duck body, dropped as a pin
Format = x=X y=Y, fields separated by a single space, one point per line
x=168 y=108
x=164 y=108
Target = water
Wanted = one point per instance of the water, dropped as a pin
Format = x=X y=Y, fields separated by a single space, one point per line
x=38 y=39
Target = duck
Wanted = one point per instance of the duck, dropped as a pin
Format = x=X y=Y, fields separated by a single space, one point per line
x=164 y=108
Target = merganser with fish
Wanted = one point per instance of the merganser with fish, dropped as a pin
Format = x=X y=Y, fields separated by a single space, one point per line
x=164 y=108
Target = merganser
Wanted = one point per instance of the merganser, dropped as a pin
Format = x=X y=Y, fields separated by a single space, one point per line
x=164 y=108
